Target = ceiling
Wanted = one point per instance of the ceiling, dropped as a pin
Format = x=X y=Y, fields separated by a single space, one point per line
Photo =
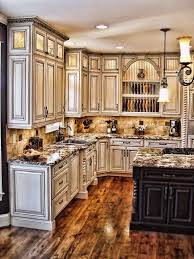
x=132 y=24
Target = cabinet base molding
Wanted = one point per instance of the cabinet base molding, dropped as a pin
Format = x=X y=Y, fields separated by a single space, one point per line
x=32 y=223
x=95 y=182
x=100 y=174
x=82 y=195
x=165 y=229
x=4 y=220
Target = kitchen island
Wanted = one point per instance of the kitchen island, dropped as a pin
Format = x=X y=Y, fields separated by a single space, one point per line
x=163 y=198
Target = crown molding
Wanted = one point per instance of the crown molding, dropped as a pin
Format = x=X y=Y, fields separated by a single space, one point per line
x=3 y=19
x=37 y=21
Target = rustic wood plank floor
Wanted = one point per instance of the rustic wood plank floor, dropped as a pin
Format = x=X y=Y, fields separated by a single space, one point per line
x=96 y=228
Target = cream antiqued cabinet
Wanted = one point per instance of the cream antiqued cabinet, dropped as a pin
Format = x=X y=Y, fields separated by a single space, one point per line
x=36 y=73
x=92 y=84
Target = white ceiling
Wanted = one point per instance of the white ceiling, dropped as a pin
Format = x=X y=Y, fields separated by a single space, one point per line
x=134 y=24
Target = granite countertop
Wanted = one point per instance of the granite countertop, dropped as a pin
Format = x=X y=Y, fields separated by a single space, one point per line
x=54 y=153
x=124 y=136
x=155 y=157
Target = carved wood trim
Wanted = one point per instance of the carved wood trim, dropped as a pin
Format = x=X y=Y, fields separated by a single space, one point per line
x=184 y=124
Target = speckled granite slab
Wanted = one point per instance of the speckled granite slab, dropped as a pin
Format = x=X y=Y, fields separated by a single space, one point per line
x=154 y=157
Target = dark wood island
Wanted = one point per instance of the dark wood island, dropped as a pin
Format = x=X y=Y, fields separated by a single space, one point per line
x=163 y=198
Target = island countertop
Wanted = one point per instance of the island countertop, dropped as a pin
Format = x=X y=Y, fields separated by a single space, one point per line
x=156 y=157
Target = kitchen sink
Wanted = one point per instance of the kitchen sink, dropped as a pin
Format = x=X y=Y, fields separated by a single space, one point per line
x=75 y=141
x=179 y=151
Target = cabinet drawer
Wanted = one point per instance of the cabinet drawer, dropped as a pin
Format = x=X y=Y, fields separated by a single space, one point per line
x=60 y=182
x=168 y=175
x=162 y=143
x=59 y=167
x=128 y=142
x=60 y=202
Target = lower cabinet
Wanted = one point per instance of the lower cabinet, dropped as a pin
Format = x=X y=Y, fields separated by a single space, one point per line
x=74 y=175
x=103 y=155
x=165 y=202
x=121 y=159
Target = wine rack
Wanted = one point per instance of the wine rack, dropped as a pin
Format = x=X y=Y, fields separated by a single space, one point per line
x=140 y=96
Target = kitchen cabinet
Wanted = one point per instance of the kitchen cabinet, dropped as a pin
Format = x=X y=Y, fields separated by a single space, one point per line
x=94 y=63
x=110 y=94
x=74 y=175
x=110 y=63
x=94 y=93
x=173 y=108
x=117 y=158
x=76 y=84
x=87 y=167
x=103 y=155
x=166 y=197
x=35 y=49
x=59 y=91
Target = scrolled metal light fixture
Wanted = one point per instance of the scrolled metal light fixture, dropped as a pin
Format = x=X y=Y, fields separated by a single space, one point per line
x=185 y=73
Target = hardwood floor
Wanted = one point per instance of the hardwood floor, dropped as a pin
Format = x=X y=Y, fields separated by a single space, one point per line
x=96 y=228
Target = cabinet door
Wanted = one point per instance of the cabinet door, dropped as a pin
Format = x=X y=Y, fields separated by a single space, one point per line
x=84 y=92
x=19 y=40
x=181 y=204
x=19 y=92
x=50 y=90
x=110 y=64
x=117 y=158
x=90 y=168
x=59 y=90
x=50 y=44
x=154 y=202
x=129 y=161
x=72 y=92
x=39 y=90
x=74 y=176
x=191 y=105
x=85 y=62
x=102 y=155
x=72 y=60
x=94 y=92
x=94 y=63
x=110 y=90
x=60 y=51
x=175 y=93
x=29 y=184
x=40 y=41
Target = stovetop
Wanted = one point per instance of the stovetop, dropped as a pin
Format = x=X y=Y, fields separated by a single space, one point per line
x=179 y=151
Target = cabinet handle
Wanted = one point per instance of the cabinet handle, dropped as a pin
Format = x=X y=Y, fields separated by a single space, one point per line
x=61 y=202
x=169 y=175
x=61 y=182
x=170 y=193
x=98 y=106
x=162 y=144
x=165 y=192
x=117 y=106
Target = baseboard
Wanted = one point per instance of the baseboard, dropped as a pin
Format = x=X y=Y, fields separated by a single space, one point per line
x=33 y=223
x=82 y=195
x=4 y=220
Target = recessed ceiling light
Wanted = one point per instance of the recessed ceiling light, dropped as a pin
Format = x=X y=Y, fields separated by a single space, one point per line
x=101 y=26
x=119 y=47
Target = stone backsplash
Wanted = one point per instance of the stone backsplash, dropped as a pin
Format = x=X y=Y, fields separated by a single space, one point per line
x=126 y=125
x=155 y=126
x=15 y=147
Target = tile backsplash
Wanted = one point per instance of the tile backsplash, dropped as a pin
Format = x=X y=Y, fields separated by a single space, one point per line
x=18 y=138
x=126 y=125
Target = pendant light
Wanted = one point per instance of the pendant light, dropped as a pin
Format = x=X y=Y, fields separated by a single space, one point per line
x=163 y=96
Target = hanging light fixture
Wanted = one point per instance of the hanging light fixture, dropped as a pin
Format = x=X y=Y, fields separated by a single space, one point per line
x=163 y=96
x=184 y=74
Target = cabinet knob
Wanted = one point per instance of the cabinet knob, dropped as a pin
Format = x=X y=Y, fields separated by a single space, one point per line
x=46 y=52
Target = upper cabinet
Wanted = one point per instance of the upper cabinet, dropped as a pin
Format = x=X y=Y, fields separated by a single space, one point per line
x=110 y=63
x=94 y=63
x=35 y=73
x=76 y=87
x=173 y=108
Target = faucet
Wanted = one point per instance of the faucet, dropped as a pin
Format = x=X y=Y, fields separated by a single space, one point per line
x=66 y=126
